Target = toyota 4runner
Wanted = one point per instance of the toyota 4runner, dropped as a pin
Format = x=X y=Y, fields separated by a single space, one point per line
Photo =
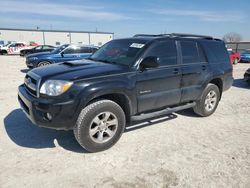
x=127 y=80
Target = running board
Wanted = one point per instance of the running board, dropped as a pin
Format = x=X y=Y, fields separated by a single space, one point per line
x=162 y=112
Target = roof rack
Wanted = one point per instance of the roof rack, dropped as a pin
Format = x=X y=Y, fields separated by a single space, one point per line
x=176 y=35
x=148 y=35
x=190 y=35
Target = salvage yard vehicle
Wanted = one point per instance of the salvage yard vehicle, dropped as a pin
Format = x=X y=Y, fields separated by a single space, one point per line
x=37 y=49
x=247 y=76
x=13 y=48
x=245 y=56
x=66 y=52
x=234 y=56
x=127 y=80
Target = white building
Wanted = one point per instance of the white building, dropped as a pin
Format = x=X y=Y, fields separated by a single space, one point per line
x=54 y=37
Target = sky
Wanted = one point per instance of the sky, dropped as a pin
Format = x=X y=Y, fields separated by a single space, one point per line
x=126 y=18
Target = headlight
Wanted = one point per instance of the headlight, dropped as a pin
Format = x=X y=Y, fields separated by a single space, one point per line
x=55 y=87
x=33 y=58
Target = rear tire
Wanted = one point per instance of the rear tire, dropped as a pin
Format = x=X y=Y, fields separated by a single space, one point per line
x=4 y=52
x=100 y=125
x=236 y=60
x=208 y=102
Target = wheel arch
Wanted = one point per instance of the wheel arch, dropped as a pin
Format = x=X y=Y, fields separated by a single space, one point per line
x=120 y=98
x=219 y=83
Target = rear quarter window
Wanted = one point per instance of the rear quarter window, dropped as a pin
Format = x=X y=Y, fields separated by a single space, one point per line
x=216 y=51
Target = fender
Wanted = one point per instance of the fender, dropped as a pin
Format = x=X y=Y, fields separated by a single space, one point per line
x=123 y=85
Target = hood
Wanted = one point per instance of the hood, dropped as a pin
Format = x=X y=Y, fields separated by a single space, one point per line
x=39 y=54
x=80 y=69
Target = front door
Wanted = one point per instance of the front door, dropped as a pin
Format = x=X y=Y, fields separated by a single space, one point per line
x=160 y=87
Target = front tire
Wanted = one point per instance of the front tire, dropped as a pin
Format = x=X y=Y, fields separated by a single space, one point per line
x=43 y=63
x=100 y=125
x=209 y=101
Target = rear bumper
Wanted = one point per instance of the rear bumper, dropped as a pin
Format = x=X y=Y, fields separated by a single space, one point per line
x=36 y=109
x=228 y=82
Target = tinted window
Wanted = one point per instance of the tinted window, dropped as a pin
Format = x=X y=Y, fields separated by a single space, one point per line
x=201 y=54
x=85 y=50
x=189 y=51
x=123 y=51
x=72 y=50
x=38 y=47
x=47 y=47
x=165 y=51
x=216 y=51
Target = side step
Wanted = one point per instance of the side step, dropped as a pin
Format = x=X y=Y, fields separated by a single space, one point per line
x=162 y=112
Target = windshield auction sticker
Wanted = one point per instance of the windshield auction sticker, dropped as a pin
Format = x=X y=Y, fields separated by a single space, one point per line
x=136 y=45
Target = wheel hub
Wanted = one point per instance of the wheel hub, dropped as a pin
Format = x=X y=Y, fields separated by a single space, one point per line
x=103 y=127
x=210 y=101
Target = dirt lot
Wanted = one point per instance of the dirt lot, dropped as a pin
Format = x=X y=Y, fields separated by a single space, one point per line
x=181 y=150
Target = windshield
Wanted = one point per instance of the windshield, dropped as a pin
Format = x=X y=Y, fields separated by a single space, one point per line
x=6 y=45
x=123 y=52
x=59 y=49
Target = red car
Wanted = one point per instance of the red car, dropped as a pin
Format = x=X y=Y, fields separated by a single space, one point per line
x=234 y=56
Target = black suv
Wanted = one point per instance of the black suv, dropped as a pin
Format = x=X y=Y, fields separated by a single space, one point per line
x=127 y=80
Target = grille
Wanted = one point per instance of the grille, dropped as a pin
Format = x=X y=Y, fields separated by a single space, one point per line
x=31 y=84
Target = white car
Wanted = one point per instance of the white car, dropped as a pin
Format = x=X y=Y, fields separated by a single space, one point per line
x=13 y=48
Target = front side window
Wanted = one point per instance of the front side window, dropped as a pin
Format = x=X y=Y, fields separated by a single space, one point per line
x=165 y=51
x=38 y=47
x=60 y=48
x=72 y=50
x=123 y=51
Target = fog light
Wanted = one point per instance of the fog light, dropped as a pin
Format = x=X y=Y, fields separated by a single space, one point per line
x=48 y=116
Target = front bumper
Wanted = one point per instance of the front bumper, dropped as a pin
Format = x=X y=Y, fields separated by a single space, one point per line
x=63 y=113
x=30 y=64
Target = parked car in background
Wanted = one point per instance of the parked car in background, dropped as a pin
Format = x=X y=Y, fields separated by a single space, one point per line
x=40 y=48
x=245 y=56
x=67 y=52
x=1 y=43
x=247 y=76
x=13 y=48
x=234 y=56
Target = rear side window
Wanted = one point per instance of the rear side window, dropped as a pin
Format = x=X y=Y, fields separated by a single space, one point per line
x=87 y=50
x=216 y=51
x=165 y=51
x=190 y=52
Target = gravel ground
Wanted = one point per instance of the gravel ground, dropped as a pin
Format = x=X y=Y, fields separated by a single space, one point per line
x=180 y=150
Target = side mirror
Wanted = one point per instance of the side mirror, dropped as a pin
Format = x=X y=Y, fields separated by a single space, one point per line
x=62 y=54
x=149 y=62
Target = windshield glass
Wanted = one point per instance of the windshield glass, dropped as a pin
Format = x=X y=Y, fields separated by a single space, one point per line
x=59 y=49
x=121 y=52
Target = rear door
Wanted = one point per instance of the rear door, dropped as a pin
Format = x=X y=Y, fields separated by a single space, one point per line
x=194 y=68
x=159 y=87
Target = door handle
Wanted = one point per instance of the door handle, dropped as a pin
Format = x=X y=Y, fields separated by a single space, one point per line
x=176 y=71
x=204 y=67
